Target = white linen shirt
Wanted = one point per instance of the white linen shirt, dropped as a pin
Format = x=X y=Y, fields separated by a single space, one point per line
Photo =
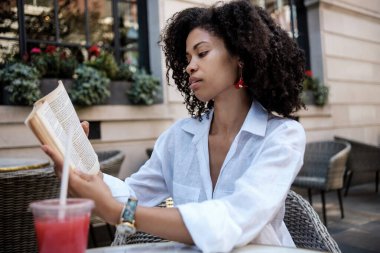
x=248 y=202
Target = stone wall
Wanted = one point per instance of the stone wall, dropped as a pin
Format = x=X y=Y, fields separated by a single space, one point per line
x=345 y=53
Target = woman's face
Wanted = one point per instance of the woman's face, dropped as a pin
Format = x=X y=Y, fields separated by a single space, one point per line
x=211 y=68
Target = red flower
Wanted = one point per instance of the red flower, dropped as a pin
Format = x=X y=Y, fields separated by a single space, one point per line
x=35 y=50
x=94 y=50
x=63 y=55
x=50 y=49
x=309 y=73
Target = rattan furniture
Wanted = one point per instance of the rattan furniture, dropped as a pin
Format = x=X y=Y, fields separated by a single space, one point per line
x=18 y=188
x=323 y=169
x=305 y=227
x=110 y=161
x=362 y=158
x=302 y=221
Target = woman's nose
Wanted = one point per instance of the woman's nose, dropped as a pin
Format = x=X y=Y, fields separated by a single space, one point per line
x=191 y=67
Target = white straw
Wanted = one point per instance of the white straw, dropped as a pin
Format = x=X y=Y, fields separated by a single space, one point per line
x=65 y=175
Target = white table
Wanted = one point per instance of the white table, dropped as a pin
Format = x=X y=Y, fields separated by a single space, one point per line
x=174 y=247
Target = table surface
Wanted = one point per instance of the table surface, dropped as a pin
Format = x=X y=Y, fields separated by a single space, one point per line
x=15 y=164
x=174 y=247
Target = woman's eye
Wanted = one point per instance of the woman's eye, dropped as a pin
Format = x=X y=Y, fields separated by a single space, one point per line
x=202 y=54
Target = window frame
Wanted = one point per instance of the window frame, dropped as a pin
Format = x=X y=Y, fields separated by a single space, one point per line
x=143 y=43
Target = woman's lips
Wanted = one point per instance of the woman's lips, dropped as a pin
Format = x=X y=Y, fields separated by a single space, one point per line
x=194 y=86
x=194 y=83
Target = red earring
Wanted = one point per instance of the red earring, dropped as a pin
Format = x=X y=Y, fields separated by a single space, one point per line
x=240 y=84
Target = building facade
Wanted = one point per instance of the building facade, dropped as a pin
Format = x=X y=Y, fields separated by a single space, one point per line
x=344 y=53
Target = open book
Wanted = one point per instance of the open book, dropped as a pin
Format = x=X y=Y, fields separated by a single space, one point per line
x=52 y=118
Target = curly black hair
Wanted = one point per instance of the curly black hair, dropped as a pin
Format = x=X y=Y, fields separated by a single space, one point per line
x=273 y=63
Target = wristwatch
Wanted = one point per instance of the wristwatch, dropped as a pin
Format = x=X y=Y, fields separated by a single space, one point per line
x=127 y=219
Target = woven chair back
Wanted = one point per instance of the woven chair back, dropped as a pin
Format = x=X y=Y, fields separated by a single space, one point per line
x=305 y=227
x=363 y=157
x=17 y=190
x=110 y=161
x=302 y=221
x=326 y=162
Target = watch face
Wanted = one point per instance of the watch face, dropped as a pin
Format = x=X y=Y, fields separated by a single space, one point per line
x=126 y=228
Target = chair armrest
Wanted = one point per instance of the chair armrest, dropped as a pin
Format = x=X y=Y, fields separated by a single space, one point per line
x=337 y=168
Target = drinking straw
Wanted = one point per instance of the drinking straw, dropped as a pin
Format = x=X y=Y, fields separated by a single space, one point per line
x=65 y=175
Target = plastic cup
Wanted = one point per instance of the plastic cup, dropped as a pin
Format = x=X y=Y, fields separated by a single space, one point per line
x=62 y=229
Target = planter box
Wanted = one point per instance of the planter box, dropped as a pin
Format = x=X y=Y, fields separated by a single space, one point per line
x=308 y=97
x=49 y=84
x=4 y=97
x=118 y=93
x=117 y=88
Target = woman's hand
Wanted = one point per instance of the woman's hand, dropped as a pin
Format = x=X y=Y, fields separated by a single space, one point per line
x=88 y=186
x=58 y=162
x=86 y=127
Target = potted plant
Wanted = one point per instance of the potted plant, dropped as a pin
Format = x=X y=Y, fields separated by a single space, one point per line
x=126 y=72
x=20 y=84
x=53 y=63
x=90 y=87
x=144 y=89
x=103 y=61
x=314 y=92
x=122 y=82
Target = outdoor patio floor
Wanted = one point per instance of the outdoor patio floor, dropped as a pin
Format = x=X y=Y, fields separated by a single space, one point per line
x=359 y=230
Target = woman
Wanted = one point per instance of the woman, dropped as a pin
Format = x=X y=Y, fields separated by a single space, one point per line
x=228 y=167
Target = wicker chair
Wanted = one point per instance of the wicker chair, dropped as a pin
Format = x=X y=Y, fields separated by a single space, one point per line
x=305 y=227
x=17 y=190
x=362 y=158
x=110 y=161
x=323 y=170
x=302 y=221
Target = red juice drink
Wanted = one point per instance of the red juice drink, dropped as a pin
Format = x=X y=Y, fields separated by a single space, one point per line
x=62 y=229
x=67 y=235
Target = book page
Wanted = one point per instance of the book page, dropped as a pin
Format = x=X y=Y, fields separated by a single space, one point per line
x=57 y=113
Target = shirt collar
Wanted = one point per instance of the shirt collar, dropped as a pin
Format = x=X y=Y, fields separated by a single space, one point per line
x=254 y=123
x=198 y=128
x=256 y=120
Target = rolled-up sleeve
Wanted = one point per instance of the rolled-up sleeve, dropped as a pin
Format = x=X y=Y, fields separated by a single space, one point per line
x=119 y=189
x=248 y=213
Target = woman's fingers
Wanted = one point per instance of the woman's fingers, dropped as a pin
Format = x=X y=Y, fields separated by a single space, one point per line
x=86 y=127
x=57 y=159
x=84 y=176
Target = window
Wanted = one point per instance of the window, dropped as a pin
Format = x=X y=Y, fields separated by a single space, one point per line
x=291 y=15
x=115 y=25
x=8 y=28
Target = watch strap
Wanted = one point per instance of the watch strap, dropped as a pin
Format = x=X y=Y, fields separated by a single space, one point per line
x=127 y=217
x=128 y=213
